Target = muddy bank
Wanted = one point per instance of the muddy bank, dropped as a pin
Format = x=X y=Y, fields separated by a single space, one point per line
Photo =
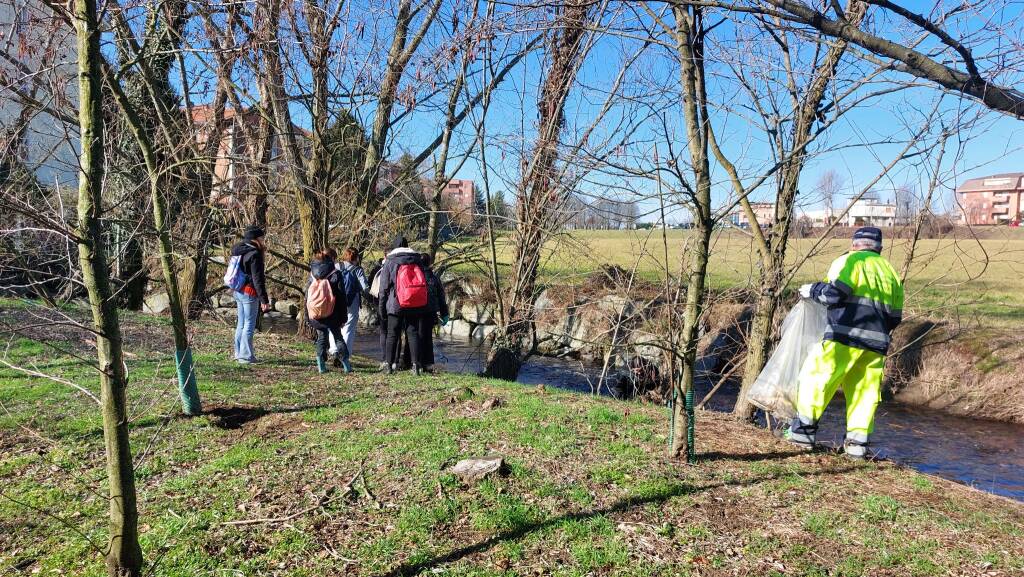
x=972 y=372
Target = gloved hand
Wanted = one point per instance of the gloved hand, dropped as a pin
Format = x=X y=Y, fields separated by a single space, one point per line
x=805 y=291
x=444 y=320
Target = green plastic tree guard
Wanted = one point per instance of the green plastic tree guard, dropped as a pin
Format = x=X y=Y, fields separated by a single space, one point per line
x=190 y=403
x=691 y=450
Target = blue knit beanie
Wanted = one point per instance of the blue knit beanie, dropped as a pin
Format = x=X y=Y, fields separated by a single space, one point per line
x=870 y=233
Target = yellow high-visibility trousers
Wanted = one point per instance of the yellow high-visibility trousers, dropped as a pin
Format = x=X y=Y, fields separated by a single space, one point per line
x=860 y=373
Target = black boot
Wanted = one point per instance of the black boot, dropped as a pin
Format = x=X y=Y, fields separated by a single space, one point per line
x=416 y=369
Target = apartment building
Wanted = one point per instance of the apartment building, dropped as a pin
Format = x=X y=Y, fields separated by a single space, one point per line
x=995 y=199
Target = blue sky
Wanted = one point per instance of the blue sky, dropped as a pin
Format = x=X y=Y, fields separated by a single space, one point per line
x=990 y=143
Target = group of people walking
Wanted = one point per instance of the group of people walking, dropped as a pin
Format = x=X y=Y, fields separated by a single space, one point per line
x=333 y=295
x=410 y=296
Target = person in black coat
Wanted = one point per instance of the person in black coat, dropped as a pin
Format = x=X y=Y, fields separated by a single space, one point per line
x=252 y=299
x=398 y=319
x=323 y=268
x=438 y=309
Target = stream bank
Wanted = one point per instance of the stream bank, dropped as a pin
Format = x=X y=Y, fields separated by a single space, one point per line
x=987 y=455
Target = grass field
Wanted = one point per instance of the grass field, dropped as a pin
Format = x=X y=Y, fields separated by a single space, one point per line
x=950 y=277
x=293 y=473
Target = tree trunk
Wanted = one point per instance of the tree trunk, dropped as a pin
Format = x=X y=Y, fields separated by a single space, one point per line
x=682 y=397
x=441 y=179
x=124 y=556
x=773 y=261
x=199 y=263
x=513 y=339
x=187 y=386
x=540 y=196
x=385 y=102
x=131 y=270
x=310 y=209
x=402 y=49
x=690 y=50
x=318 y=169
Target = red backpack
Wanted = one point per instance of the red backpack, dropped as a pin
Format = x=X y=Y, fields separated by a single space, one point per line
x=411 y=287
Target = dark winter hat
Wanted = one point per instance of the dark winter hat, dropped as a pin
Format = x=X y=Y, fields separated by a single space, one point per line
x=252 y=232
x=870 y=234
x=400 y=242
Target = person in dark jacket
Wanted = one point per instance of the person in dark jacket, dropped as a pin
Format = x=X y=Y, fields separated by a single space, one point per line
x=253 y=298
x=438 y=309
x=411 y=321
x=320 y=269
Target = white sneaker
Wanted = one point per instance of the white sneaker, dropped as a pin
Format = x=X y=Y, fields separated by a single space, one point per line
x=855 y=451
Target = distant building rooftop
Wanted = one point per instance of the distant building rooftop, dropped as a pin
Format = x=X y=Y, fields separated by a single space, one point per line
x=1006 y=181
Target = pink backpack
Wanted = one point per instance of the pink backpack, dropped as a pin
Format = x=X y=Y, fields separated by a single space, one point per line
x=319 y=299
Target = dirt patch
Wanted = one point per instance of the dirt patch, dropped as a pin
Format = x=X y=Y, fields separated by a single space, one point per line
x=277 y=426
x=233 y=416
x=266 y=423
x=610 y=277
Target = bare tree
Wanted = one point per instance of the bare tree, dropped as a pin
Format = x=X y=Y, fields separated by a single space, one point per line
x=467 y=53
x=829 y=185
x=906 y=201
x=541 y=193
x=690 y=32
x=402 y=49
x=310 y=208
x=988 y=78
x=806 y=110
x=148 y=141
x=124 y=557
x=925 y=210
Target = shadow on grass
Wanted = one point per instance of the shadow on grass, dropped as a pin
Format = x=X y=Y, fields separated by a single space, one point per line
x=625 y=504
x=235 y=416
x=747 y=457
x=228 y=417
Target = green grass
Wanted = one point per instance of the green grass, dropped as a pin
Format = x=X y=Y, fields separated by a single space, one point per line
x=587 y=489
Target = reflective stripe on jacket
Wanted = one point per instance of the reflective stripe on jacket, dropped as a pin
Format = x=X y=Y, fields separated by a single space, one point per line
x=864 y=298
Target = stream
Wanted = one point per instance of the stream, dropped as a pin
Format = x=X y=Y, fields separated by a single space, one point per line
x=987 y=455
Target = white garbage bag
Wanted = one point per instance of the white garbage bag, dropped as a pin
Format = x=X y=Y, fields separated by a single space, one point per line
x=775 y=389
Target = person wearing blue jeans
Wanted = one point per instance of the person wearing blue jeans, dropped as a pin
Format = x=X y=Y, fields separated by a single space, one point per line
x=253 y=298
x=327 y=324
x=248 y=309
x=349 y=264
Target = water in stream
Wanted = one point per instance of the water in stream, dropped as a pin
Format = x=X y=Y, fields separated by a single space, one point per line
x=987 y=455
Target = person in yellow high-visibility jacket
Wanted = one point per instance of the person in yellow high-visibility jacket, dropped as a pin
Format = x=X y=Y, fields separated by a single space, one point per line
x=864 y=297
